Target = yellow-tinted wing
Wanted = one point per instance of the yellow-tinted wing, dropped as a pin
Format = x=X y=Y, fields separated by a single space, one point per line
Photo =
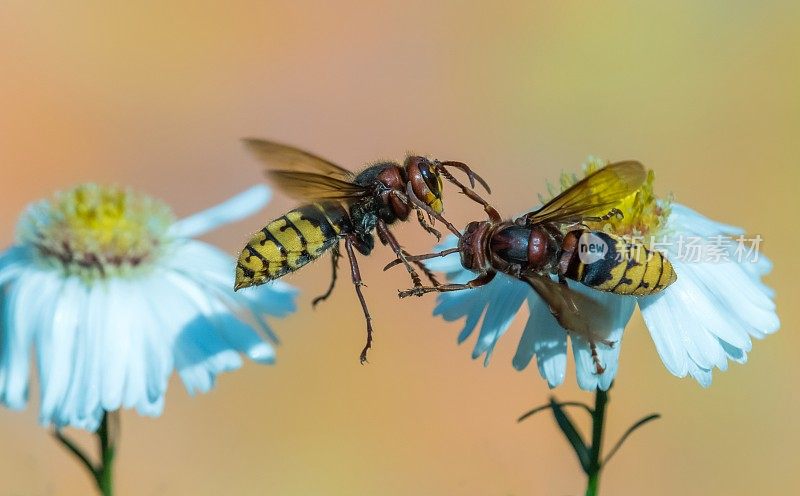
x=311 y=186
x=277 y=156
x=595 y=194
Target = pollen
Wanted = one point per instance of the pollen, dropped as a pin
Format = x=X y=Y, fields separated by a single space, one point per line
x=96 y=231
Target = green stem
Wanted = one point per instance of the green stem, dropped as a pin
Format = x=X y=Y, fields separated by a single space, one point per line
x=595 y=463
x=107 y=441
x=107 y=444
x=591 y=485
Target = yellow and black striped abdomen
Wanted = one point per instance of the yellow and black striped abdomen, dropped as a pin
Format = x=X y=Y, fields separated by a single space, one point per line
x=290 y=242
x=610 y=263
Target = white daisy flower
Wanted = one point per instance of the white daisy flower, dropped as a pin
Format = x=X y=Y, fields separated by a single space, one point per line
x=705 y=318
x=112 y=294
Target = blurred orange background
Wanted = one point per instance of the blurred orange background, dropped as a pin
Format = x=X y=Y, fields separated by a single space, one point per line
x=157 y=96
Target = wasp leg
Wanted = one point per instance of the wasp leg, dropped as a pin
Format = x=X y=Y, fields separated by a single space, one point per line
x=598 y=366
x=417 y=258
x=426 y=226
x=388 y=238
x=355 y=274
x=592 y=338
x=444 y=288
x=614 y=212
x=425 y=270
x=335 y=265
x=490 y=210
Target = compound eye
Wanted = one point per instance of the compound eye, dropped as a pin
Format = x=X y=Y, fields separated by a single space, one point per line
x=431 y=178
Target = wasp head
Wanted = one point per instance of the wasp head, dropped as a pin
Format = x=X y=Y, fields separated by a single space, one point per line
x=426 y=183
x=472 y=246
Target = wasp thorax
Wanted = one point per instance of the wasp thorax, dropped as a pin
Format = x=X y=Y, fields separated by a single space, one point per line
x=511 y=244
x=426 y=182
x=94 y=231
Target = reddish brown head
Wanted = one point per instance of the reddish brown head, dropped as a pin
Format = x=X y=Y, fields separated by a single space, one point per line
x=426 y=183
x=473 y=245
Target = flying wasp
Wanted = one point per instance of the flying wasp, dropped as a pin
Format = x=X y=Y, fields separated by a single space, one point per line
x=343 y=206
x=554 y=241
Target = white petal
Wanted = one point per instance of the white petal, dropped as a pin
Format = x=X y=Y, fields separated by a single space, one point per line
x=70 y=411
x=168 y=313
x=508 y=294
x=55 y=346
x=12 y=262
x=449 y=264
x=208 y=345
x=684 y=324
x=546 y=340
x=231 y=210
x=498 y=302
x=202 y=350
x=662 y=316
x=704 y=302
x=470 y=304
x=746 y=304
x=206 y=264
x=118 y=346
x=620 y=309
x=157 y=317
x=700 y=374
x=97 y=322
x=690 y=222
x=24 y=309
x=708 y=315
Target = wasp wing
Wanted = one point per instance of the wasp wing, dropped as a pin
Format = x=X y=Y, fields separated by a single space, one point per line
x=311 y=186
x=595 y=194
x=277 y=156
x=303 y=175
x=574 y=311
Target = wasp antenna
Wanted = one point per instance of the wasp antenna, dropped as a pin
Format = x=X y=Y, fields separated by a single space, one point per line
x=471 y=175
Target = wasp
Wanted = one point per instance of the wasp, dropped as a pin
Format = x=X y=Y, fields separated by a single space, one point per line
x=553 y=242
x=343 y=206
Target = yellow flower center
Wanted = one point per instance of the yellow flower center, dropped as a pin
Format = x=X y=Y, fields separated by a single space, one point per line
x=96 y=231
x=643 y=213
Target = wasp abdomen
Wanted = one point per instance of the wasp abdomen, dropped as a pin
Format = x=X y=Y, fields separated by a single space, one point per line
x=610 y=263
x=290 y=242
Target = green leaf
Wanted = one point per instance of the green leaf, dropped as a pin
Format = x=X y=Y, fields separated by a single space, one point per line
x=572 y=435
x=562 y=404
x=630 y=430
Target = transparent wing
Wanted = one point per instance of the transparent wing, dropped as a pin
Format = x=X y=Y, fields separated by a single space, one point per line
x=276 y=156
x=303 y=175
x=595 y=194
x=311 y=186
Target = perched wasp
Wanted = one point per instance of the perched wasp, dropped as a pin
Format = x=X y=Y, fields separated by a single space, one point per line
x=342 y=206
x=554 y=241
